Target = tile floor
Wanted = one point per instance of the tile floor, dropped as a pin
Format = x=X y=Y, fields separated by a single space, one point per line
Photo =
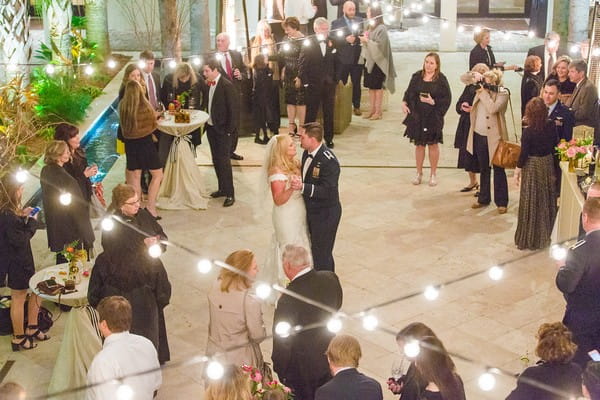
x=394 y=239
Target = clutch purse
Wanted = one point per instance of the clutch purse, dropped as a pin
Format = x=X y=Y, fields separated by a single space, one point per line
x=49 y=287
x=506 y=155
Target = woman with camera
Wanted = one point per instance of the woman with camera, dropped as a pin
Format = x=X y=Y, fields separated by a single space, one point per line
x=425 y=103
x=17 y=227
x=537 y=202
x=488 y=127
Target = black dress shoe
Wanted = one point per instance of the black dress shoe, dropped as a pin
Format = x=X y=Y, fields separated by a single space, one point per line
x=330 y=145
x=216 y=194
x=228 y=202
x=236 y=157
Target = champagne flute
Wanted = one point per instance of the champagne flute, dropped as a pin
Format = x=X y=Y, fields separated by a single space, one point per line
x=399 y=368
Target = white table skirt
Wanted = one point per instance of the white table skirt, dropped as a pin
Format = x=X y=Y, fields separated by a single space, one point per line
x=571 y=205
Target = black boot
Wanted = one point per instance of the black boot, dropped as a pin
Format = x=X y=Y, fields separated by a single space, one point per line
x=257 y=137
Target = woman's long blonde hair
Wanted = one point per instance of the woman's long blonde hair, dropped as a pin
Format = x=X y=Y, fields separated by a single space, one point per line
x=234 y=385
x=184 y=69
x=241 y=260
x=278 y=158
x=134 y=100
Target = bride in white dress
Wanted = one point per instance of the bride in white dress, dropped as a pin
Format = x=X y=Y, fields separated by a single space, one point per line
x=289 y=212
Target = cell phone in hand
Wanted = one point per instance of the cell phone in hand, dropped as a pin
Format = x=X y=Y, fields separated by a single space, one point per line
x=424 y=94
x=34 y=211
x=594 y=355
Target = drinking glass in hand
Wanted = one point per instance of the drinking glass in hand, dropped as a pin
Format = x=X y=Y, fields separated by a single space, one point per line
x=399 y=369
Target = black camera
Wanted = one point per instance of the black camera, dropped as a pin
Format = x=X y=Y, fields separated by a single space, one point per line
x=490 y=87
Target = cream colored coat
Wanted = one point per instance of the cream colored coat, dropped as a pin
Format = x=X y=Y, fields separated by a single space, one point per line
x=235 y=320
x=494 y=106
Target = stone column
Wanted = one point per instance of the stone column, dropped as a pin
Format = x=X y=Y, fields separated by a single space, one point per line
x=448 y=12
x=578 y=20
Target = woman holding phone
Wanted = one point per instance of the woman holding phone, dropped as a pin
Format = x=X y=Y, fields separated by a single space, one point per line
x=425 y=103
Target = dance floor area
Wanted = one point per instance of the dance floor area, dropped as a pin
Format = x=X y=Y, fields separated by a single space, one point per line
x=394 y=239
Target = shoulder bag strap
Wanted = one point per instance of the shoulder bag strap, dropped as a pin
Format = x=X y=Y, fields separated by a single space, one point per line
x=512 y=115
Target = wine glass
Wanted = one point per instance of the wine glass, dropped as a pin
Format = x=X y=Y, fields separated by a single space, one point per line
x=192 y=102
x=399 y=368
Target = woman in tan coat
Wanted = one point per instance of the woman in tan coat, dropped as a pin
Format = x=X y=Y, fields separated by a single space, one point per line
x=235 y=314
x=488 y=126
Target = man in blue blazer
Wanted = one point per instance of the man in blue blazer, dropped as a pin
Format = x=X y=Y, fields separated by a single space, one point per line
x=562 y=116
x=347 y=383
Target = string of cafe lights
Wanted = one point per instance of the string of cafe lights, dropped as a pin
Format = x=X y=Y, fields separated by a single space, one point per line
x=263 y=290
x=389 y=12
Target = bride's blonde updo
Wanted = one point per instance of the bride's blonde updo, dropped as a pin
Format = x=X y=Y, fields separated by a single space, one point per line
x=278 y=158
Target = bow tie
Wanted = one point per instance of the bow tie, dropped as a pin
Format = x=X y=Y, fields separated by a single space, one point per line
x=211 y=83
x=310 y=156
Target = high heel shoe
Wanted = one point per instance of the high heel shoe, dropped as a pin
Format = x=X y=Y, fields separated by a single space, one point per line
x=375 y=117
x=37 y=334
x=417 y=179
x=469 y=188
x=432 y=180
x=25 y=344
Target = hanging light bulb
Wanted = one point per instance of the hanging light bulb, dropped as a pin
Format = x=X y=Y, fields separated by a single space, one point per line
x=495 y=273
x=372 y=22
x=111 y=63
x=89 y=70
x=334 y=325
x=214 y=370
x=370 y=322
x=65 y=199
x=197 y=61
x=306 y=42
x=419 y=7
x=431 y=293
x=340 y=33
x=406 y=12
x=389 y=8
x=486 y=381
x=320 y=37
x=425 y=19
x=531 y=34
x=50 y=69
x=574 y=49
x=239 y=49
x=124 y=392
x=219 y=56
x=286 y=46
x=21 y=175
x=391 y=17
x=375 y=3
x=265 y=51
x=263 y=290
x=283 y=329
x=155 y=250
x=107 y=224
x=142 y=64
x=477 y=29
x=460 y=28
x=204 y=266
x=445 y=23
x=596 y=52
x=172 y=64
x=558 y=252
x=354 y=27
x=412 y=348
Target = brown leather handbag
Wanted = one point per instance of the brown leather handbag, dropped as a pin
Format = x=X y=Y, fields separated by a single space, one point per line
x=507 y=153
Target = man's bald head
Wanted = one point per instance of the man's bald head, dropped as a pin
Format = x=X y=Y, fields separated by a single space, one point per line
x=349 y=9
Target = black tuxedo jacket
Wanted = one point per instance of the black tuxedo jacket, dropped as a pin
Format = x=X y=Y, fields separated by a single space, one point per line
x=350 y=384
x=314 y=69
x=224 y=111
x=302 y=356
x=539 y=51
x=237 y=61
x=579 y=281
x=568 y=119
x=346 y=53
x=321 y=179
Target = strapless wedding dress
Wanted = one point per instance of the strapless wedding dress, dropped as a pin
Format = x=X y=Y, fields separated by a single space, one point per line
x=290 y=227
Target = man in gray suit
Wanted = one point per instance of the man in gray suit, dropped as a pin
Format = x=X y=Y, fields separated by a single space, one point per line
x=584 y=101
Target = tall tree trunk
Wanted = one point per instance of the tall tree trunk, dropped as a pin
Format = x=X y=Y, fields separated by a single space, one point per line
x=578 y=20
x=14 y=35
x=170 y=40
x=97 y=25
x=199 y=27
x=57 y=15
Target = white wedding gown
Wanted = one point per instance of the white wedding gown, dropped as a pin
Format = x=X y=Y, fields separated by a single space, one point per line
x=290 y=227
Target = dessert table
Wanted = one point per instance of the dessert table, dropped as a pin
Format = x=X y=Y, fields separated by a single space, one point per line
x=181 y=187
x=81 y=338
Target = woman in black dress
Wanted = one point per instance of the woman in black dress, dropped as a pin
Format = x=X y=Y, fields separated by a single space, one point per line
x=126 y=269
x=555 y=348
x=17 y=227
x=289 y=54
x=425 y=103
x=560 y=72
x=261 y=97
x=531 y=84
x=77 y=167
x=437 y=369
x=138 y=122
x=65 y=208
x=464 y=104
x=537 y=175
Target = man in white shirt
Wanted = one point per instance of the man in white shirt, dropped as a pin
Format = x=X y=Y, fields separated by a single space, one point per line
x=123 y=356
x=547 y=52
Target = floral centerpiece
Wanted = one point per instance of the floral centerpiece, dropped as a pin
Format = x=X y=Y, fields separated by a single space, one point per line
x=575 y=151
x=69 y=252
x=260 y=388
x=76 y=259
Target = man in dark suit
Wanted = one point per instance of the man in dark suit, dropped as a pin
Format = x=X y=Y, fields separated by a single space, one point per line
x=563 y=118
x=232 y=68
x=584 y=101
x=547 y=52
x=319 y=187
x=220 y=127
x=340 y=6
x=345 y=37
x=347 y=383
x=316 y=72
x=299 y=359
x=578 y=279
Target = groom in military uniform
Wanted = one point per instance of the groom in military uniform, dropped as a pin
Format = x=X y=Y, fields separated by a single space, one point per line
x=319 y=187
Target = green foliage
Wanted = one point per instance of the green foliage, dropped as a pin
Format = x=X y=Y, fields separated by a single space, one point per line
x=78 y=22
x=46 y=133
x=44 y=53
x=23 y=156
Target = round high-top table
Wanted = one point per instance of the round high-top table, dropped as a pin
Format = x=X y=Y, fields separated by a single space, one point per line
x=181 y=187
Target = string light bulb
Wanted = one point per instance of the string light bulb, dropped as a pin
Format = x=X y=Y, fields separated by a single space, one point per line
x=530 y=34
x=391 y=17
x=495 y=273
x=142 y=64
x=355 y=27
x=107 y=224
x=204 y=266
x=389 y=8
x=507 y=35
x=558 y=253
x=340 y=33
x=574 y=49
x=265 y=51
x=239 y=49
x=306 y=42
x=215 y=370
x=431 y=293
x=375 y=4
x=596 y=52
x=124 y=392
x=477 y=29
x=486 y=381
x=263 y=290
x=88 y=70
x=155 y=250
x=21 y=176
x=419 y=7
x=111 y=64
x=425 y=19
x=283 y=329
x=372 y=22
x=196 y=61
x=334 y=325
x=460 y=28
x=406 y=12
x=445 y=24
x=320 y=37
x=370 y=322
x=412 y=348
x=286 y=46
x=219 y=56
x=172 y=64
x=65 y=199
x=50 y=69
